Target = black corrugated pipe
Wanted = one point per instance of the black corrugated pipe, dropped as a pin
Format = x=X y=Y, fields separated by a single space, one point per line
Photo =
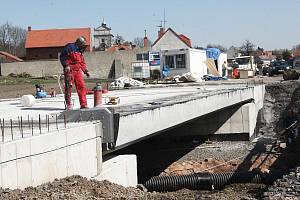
x=201 y=181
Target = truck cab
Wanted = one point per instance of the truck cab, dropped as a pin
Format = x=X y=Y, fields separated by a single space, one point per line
x=246 y=64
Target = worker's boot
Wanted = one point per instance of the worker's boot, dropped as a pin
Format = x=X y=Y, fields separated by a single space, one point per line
x=69 y=107
x=84 y=107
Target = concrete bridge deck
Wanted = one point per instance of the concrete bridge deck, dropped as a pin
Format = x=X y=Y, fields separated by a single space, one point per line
x=153 y=109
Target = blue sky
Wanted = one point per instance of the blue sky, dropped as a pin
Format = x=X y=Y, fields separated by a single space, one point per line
x=268 y=23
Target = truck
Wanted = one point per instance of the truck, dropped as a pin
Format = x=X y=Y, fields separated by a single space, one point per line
x=246 y=66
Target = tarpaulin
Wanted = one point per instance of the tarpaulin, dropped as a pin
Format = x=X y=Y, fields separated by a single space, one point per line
x=213 y=53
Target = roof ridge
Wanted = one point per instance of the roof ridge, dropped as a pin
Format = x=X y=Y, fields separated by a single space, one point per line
x=63 y=29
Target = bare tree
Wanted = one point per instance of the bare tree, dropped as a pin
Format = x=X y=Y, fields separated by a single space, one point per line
x=119 y=39
x=222 y=48
x=139 y=42
x=12 y=39
x=4 y=36
x=247 y=48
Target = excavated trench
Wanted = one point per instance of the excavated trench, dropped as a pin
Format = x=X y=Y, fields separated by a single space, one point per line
x=168 y=156
x=180 y=157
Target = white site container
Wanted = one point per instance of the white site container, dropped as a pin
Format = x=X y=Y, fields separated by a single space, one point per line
x=140 y=70
x=194 y=61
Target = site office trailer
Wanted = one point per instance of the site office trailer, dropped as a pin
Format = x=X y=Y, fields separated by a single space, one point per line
x=181 y=61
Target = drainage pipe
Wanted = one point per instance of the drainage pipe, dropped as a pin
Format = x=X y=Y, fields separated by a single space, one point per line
x=201 y=181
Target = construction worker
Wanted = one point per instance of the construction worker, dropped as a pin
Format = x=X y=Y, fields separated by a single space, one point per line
x=224 y=69
x=74 y=66
x=235 y=72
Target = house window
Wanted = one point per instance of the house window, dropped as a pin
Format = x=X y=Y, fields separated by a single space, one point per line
x=102 y=40
x=180 y=61
x=170 y=61
x=142 y=56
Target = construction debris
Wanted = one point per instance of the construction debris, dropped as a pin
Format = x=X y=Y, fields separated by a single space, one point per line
x=126 y=82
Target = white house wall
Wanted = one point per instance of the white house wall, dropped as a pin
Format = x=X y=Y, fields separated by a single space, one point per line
x=169 y=41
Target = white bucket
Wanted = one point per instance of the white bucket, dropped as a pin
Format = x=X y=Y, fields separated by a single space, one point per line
x=27 y=100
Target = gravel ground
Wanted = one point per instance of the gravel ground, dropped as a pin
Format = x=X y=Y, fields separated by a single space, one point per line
x=287 y=187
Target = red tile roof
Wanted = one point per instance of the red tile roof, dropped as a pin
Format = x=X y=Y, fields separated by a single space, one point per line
x=185 y=40
x=9 y=56
x=118 y=48
x=181 y=37
x=56 y=37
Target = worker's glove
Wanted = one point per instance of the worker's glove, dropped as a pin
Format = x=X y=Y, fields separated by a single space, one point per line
x=67 y=69
x=87 y=74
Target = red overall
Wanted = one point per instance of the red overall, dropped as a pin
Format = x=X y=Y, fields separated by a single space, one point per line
x=75 y=61
x=235 y=73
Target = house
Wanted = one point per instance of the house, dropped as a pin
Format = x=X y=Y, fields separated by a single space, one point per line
x=102 y=37
x=169 y=39
x=47 y=44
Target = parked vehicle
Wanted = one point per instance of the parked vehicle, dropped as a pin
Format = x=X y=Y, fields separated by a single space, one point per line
x=296 y=65
x=276 y=67
x=246 y=63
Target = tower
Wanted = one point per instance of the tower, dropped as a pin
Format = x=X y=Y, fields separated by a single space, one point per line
x=102 y=37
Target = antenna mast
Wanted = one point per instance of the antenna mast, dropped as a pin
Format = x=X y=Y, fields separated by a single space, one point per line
x=164 y=19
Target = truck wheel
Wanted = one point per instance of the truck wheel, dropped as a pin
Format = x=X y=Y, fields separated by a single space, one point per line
x=271 y=73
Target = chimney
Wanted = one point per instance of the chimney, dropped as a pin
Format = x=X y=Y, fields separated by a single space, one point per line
x=29 y=28
x=145 y=42
x=145 y=39
x=161 y=32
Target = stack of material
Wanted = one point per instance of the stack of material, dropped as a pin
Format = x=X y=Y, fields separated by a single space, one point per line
x=211 y=66
x=126 y=82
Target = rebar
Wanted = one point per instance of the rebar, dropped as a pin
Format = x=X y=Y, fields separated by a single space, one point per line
x=19 y=124
x=56 y=121
x=46 y=120
x=22 y=127
x=11 y=129
x=32 y=126
x=28 y=122
x=48 y=123
x=2 y=129
x=40 y=124
x=65 y=120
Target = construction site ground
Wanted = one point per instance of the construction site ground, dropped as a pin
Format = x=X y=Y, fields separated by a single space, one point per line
x=194 y=155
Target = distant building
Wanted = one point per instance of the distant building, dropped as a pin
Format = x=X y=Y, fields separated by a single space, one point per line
x=120 y=47
x=47 y=44
x=169 y=39
x=7 y=57
x=102 y=37
x=297 y=53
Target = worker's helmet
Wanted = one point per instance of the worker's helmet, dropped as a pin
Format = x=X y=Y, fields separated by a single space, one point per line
x=81 y=41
